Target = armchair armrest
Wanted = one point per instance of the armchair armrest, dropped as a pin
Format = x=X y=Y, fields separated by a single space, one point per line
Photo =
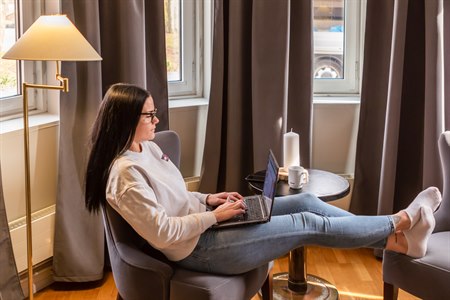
x=134 y=272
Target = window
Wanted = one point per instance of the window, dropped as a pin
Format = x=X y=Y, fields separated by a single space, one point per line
x=183 y=47
x=336 y=34
x=8 y=78
x=9 y=69
x=14 y=16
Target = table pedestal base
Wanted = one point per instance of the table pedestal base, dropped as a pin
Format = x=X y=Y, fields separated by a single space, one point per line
x=317 y=288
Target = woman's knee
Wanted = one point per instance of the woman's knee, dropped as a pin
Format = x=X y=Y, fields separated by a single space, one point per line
x=306 y=199
x=296 y=203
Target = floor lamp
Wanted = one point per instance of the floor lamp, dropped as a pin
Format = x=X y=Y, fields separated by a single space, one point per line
x=50 y=38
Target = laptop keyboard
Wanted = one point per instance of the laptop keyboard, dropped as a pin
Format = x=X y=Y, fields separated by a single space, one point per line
x=254 y=210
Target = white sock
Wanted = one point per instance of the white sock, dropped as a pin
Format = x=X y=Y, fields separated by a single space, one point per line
x=430 y=197
x=417 y=237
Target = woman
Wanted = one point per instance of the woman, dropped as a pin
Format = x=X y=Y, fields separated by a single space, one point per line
x=129 y=171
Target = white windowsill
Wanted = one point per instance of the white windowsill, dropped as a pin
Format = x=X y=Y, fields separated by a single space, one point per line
x=325 y=99
x=190 y=102
x=35 y=121
x=336 y=99
x=187 y=102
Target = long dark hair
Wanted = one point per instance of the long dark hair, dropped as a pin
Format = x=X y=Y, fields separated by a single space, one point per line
x=112 y=134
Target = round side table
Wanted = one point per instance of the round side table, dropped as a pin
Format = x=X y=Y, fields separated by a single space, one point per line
x=297 y=284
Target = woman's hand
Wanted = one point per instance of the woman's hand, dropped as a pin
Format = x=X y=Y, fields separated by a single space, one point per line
x=220 y=198
x=229 y=209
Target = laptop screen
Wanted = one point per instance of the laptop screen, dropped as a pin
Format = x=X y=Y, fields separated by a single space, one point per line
x=270 y=180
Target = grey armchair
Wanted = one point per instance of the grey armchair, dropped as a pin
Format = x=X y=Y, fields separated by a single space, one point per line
x=427 y=277
x=141 y=272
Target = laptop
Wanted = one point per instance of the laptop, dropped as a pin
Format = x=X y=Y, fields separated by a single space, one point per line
x=259 y=207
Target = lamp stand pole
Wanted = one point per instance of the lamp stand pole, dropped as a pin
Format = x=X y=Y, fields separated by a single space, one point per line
x=64 y=86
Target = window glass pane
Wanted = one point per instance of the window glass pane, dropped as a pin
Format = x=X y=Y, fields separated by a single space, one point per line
x=329 y=16
x=172 y=10
x=8 y=68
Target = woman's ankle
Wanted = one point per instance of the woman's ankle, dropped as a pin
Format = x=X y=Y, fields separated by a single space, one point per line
x=401 y=221
x=397 y=242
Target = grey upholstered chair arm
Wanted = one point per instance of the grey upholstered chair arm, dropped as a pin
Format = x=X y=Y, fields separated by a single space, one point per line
x=443 y=213
x=138 y=282
x=427 y=277
x=141 y=260
x=133 y=268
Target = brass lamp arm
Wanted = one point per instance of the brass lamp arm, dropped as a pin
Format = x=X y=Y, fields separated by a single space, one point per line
x=63 y=83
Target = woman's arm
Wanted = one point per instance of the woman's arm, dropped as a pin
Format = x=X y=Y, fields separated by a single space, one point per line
x=138 y=206
x=216 y=199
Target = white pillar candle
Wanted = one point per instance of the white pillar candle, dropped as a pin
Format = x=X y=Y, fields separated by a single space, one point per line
x=291 y=149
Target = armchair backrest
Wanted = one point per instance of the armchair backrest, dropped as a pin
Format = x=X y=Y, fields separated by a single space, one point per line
x=443 y=213
x=169 y=142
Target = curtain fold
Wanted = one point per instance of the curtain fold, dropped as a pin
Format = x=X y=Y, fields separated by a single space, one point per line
x=129 y=35
x=78 y=243
x=261 y=84
x=374 y=91
x=446 y=62
x=402 y=105
x=9 y=280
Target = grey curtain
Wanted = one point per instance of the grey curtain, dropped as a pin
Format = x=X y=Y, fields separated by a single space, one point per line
x=9 y=280
x=130 y=37
x=261 y=85
x=404 y=103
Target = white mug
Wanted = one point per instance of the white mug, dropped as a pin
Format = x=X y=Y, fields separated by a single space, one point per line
x=297 y=177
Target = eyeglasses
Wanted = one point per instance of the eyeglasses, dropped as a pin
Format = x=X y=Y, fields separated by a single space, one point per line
x=150 y=115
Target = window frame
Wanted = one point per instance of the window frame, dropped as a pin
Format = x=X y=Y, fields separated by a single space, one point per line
x=350 y=85
x=29 y=71
x=191 y=64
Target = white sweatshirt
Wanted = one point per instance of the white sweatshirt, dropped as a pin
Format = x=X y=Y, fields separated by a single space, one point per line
x=149 y=192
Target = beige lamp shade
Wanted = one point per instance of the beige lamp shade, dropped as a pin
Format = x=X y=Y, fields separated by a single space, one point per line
x=52 y=37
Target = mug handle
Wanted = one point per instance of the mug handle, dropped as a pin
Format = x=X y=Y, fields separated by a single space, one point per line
x=304 y=174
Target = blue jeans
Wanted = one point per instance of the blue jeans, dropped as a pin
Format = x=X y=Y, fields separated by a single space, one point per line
x=297 y=220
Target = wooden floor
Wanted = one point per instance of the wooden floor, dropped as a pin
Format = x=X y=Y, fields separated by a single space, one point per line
x=355 y=273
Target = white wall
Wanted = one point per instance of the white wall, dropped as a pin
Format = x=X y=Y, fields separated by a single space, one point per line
x=190 y=124
x=335 y=126
x=43 y=169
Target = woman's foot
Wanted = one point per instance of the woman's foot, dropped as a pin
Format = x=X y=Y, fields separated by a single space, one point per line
x=413 y=242
x=430 y=197
x=417 y=237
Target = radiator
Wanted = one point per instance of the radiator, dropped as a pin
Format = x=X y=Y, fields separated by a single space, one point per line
x=43 y=225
